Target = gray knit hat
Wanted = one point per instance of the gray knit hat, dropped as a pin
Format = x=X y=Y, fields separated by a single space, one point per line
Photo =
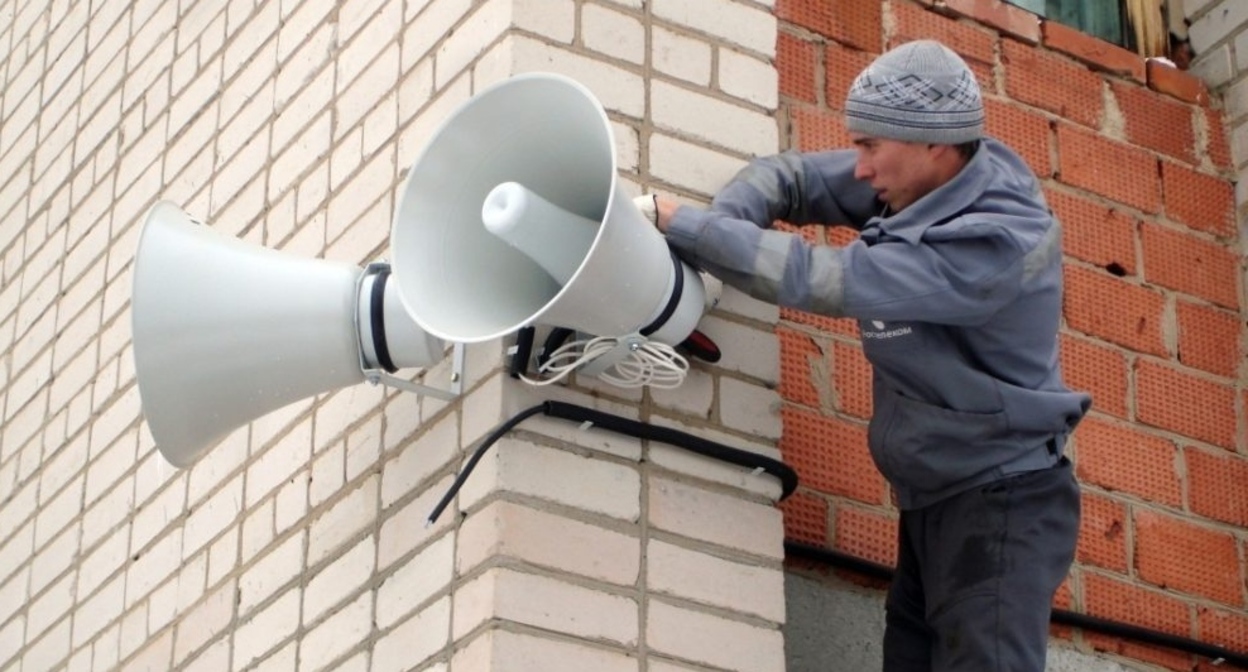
x=918 y=92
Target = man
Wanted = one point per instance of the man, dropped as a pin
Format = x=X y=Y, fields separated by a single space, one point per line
x=956 y=281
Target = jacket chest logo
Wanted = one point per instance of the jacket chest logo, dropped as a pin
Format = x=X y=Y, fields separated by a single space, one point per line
x=881 y=331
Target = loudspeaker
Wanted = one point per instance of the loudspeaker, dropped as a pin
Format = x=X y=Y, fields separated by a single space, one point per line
x=513 y=215
x=226 y=331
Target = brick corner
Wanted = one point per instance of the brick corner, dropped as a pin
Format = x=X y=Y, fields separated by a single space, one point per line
x=1164 y=77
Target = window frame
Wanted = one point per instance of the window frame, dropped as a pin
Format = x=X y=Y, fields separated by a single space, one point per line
x=1103 y=19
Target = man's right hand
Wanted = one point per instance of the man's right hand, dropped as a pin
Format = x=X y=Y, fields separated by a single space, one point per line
x=657 y=210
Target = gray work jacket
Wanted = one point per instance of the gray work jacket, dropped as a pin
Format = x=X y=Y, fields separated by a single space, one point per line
x=958 y=299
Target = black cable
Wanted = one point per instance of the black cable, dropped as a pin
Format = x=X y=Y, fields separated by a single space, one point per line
x=554 y=340
x=477 y=455
x=641 y=430
x=565 y=411
x=1059 y=616
x=1148 y=636
x=673 y=299
x=871 y=570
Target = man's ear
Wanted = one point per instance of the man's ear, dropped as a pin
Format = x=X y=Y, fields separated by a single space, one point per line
x=946 y=154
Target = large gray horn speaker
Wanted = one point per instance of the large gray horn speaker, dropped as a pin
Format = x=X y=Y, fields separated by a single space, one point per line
x=513 y=215
x=226 y=331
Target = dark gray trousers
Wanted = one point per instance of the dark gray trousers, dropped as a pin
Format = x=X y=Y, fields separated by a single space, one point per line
x=976 y=574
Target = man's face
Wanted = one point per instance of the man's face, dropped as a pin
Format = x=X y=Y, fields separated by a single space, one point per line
x=900 y=172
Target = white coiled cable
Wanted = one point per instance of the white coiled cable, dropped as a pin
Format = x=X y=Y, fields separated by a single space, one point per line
x=649 y=363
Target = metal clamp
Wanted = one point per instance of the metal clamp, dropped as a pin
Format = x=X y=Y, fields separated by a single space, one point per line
x=369 y=357
x=377 y=376
x=624 y=346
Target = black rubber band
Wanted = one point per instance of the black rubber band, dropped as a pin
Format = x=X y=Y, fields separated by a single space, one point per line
x=672 y=301
x=377 y=319
x=519 y=363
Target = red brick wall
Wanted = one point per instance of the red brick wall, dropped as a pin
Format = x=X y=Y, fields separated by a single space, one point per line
x=1135 y=162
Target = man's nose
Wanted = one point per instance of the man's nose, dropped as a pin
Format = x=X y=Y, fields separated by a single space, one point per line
x=862 y=170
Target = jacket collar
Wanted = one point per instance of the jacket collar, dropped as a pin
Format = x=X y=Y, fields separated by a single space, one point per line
x=941 y=203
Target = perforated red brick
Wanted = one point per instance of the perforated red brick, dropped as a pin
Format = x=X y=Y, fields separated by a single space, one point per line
x=1185 y=403
x=1064 y=597
x=1126 y=459
x=1187 y=263
x=830 y=455
x=1097 y=53
x=976 y=44
x=1222 y=628
x=797 y=61
x=806 y=518
x=1156 y=121
x=841 y=65
x=817 y=129
x=840 y=236
x=1209 y=338
x=1007 y=18
x=801 y=362
x=853 y=22
x=1117 y=600
x=809 y=232
x=852 y=374
x=1097 y=369
x=1114 y=309
x=1103 y=533
x=1053 y=82
x=1179 y=554
x=1027 y=132
x=1094 y=231
x=1243 y=409
x=1165 y=78
x=870 y=535
x=1156 y=656
x=832 y=325
x=1119 y=172
x=1203 y=202
x=1218 y=485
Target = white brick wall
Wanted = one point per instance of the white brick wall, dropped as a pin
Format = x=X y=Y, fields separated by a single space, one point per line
x=1218 y=31
x=299 y=542
x=587 y=612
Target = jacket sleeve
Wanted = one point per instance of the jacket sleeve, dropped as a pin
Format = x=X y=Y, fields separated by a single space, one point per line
x=799 y=188
x=958 y=281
